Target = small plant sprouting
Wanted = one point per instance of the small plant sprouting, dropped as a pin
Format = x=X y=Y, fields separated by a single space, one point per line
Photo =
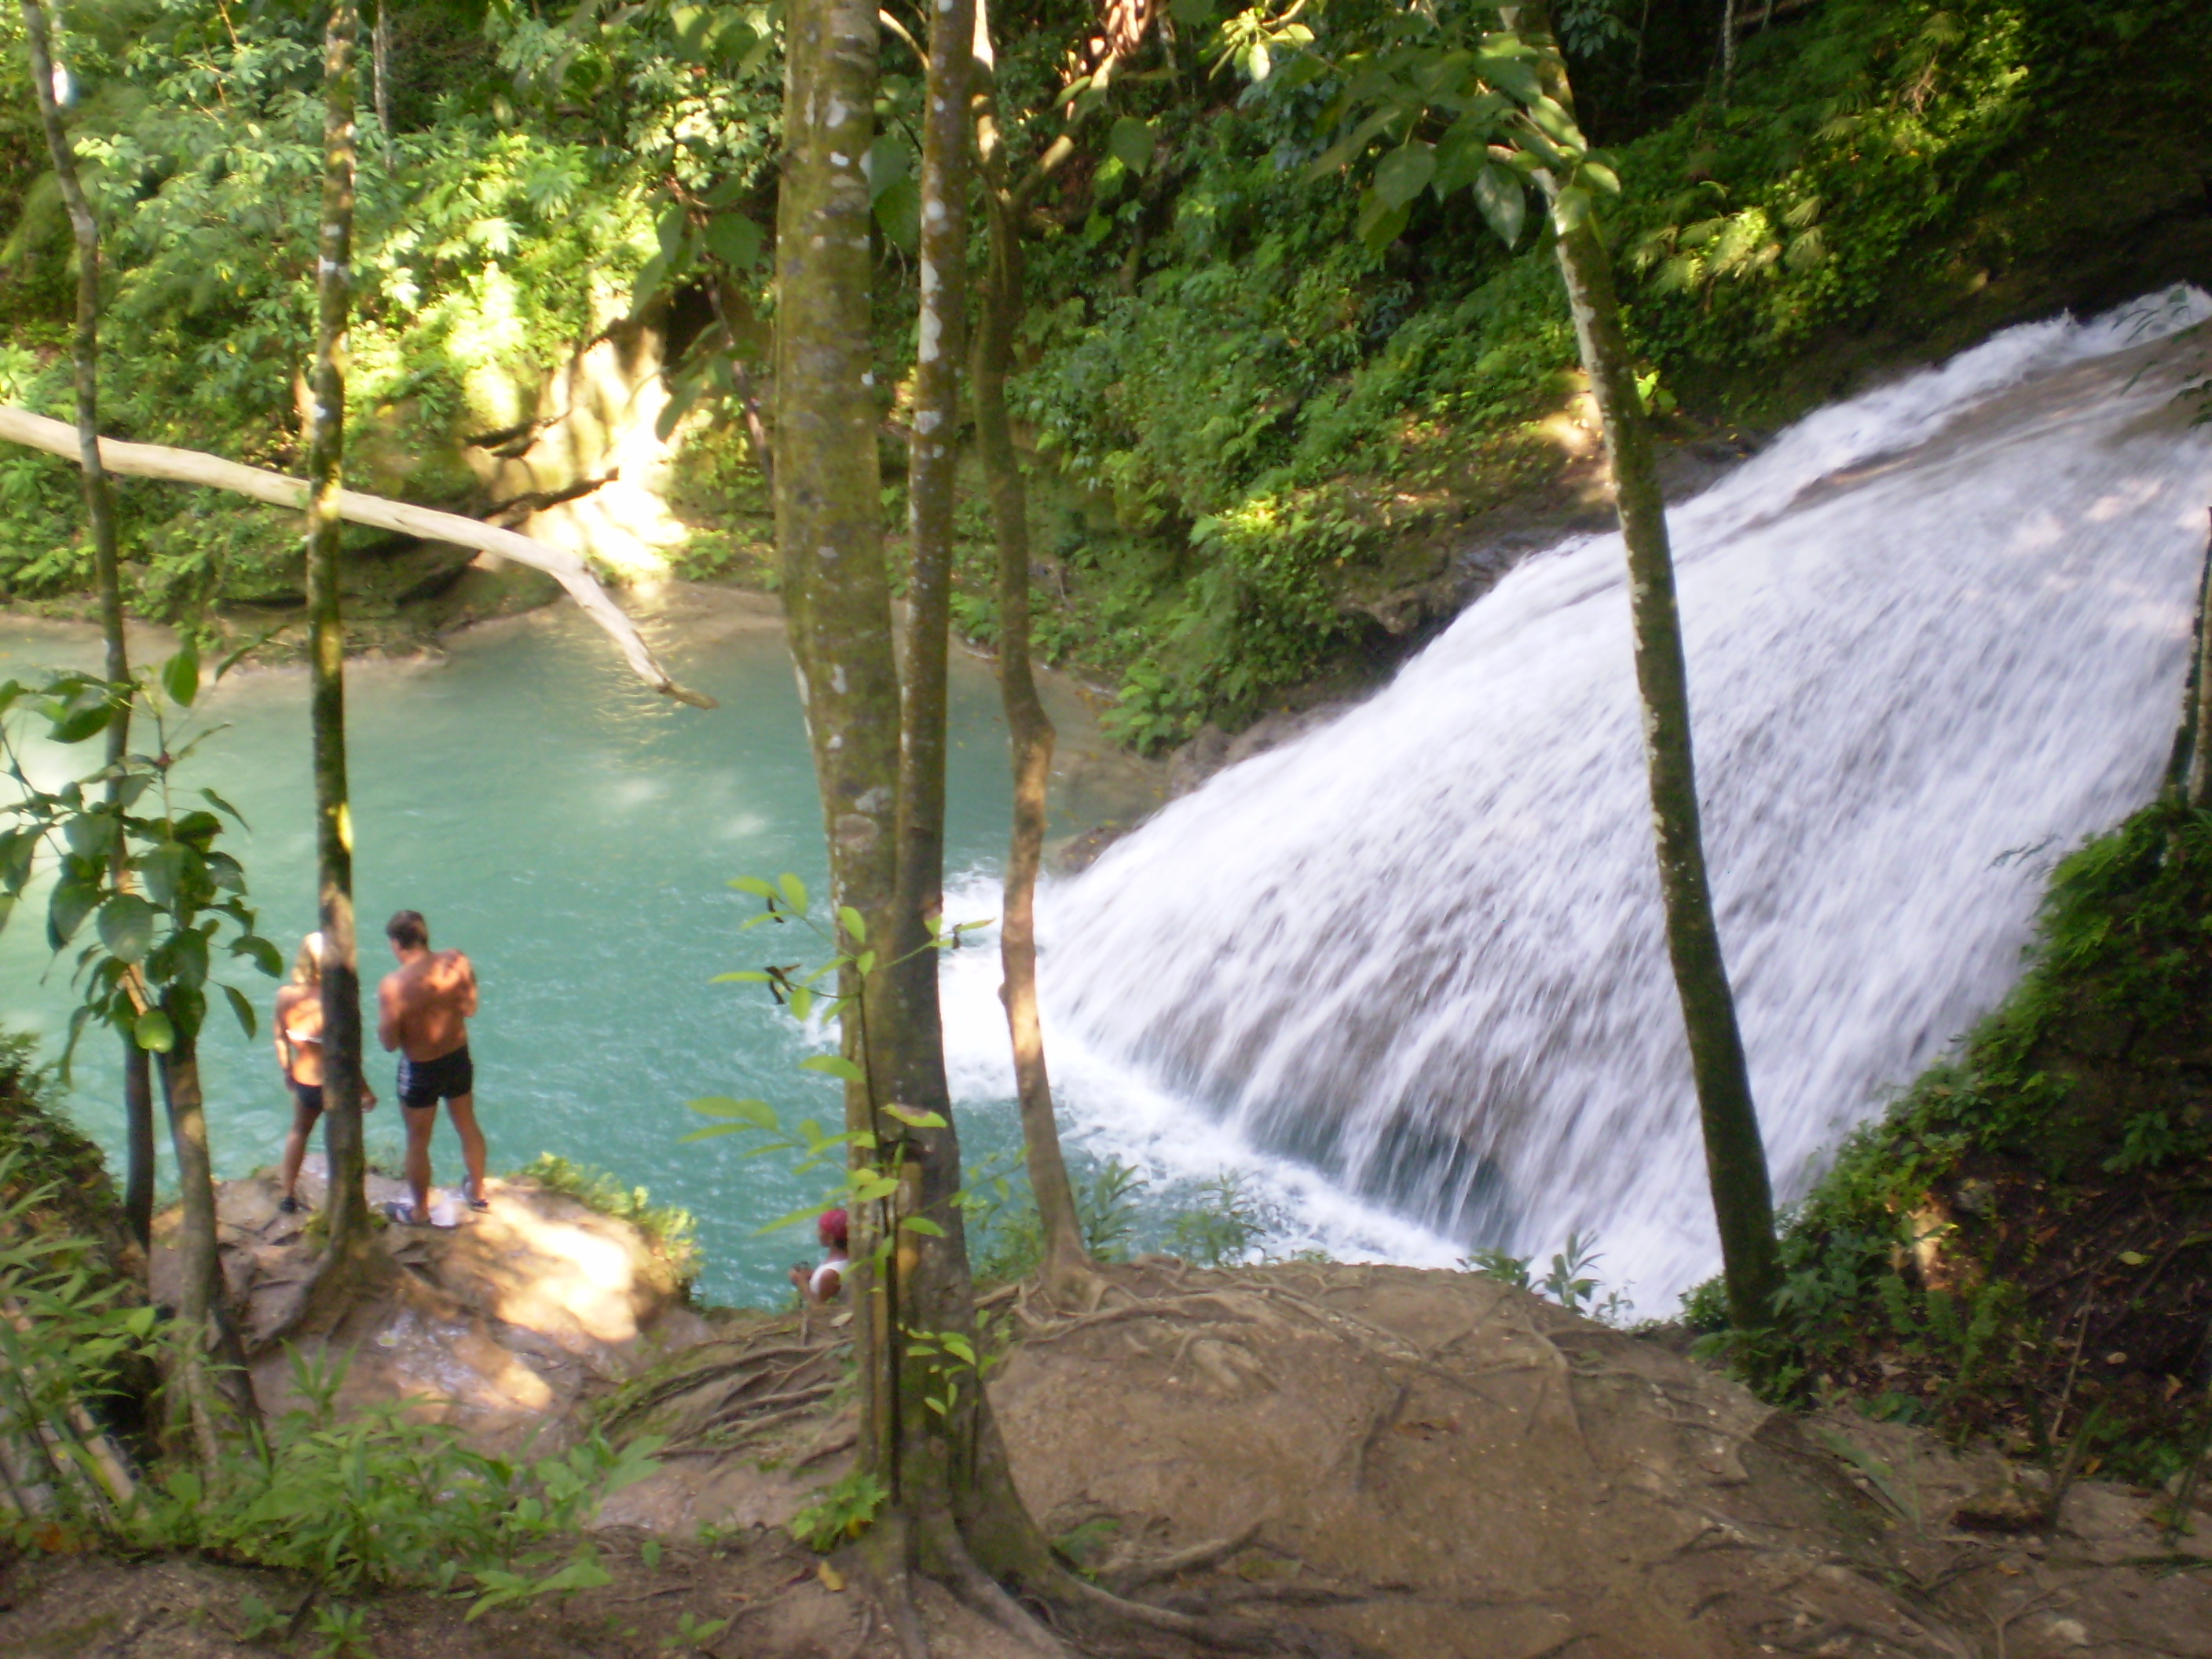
x=1568 y=1280
x=839 y=1512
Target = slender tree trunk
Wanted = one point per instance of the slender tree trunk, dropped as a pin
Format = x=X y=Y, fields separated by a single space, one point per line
x=1067 y=1268
x=2200 y=738
x=106 y=567
x=347 y=1203
x=379 y=69
x=933 y=467
x=1735 y=1156
x=212 y=1372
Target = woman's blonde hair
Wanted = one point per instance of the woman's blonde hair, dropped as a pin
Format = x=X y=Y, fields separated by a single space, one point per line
x=307 y=966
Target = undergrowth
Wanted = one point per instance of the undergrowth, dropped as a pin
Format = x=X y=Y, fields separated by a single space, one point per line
x=358 y=1499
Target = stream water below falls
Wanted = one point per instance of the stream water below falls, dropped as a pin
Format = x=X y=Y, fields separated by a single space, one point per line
x=1936 y=636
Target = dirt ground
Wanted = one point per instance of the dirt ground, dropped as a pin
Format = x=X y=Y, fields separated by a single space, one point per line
x=1369 y=1462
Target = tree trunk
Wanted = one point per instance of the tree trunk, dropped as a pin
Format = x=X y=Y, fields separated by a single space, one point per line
x=347 y=1202
x=1067 y=1268
x=379 y=70
x=2200 y=738
x=1736 y=1157
x=106 y=567
x=933 y=467
x=953 y=1499
x=836 y=600
x=211 y=1372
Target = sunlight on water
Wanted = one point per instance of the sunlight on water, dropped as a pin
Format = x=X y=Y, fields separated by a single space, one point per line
x=574 y=833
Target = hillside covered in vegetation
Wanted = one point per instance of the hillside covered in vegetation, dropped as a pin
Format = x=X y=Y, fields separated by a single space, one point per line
x=1267 y=424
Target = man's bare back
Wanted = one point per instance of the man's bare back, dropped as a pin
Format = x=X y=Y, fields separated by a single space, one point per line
x=423 y=1006
x=423 y=1009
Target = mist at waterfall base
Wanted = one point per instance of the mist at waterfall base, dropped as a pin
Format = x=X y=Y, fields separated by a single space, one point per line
x=1936 y=636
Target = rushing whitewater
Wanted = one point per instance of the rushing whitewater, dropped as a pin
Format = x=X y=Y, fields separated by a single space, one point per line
x=1936 y=635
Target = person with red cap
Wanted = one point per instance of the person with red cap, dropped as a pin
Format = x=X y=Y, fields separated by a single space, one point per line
x=825 y=1283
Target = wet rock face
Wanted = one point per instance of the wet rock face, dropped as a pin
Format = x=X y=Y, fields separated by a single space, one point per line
x=499 y=1323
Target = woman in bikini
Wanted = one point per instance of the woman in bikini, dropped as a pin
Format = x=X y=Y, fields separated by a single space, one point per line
x=299 y=1054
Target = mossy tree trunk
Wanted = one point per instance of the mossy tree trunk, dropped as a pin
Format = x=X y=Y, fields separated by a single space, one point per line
x=926 y=1429
x=1735 y=1156
x=211 y=1377
x=933 y=467
x=107 y=563
x=346 y=1202
x=1069 y=1270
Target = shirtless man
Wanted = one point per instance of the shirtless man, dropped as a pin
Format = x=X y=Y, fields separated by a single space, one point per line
x=423 y=1009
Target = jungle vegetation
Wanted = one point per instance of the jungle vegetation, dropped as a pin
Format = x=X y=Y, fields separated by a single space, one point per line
x=1258 y=407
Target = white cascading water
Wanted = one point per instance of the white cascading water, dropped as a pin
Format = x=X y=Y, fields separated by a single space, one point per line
x=1413 y=962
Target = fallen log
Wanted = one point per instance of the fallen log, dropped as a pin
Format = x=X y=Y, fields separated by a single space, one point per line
x=190 y=466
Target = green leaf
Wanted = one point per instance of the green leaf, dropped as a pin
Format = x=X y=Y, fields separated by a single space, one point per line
x=153 y=1032
x=741 y=976
x=793 y=889
x=1381 y=224
x=180 y=676
x=1503 y=200
x=922 y=1225
x=735 y=241
x=80 y=721
x=1570 y=208
x=835 y=1065
x=72 y=901
x=127 y=927
x=913 y=1119
x=1131 y=143
x=806 y=1212
x=1599 y=174
x=801 y=1004
x=855 y=925
x=258 y=950
x=889 y=162
x=898 y=210
x=757 y=1113
x=182 y=960
x=221 y=804
x=242 y=1009
x=1404 y=174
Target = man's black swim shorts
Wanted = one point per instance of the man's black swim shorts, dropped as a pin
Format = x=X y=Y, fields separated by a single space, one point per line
x=426 y=1082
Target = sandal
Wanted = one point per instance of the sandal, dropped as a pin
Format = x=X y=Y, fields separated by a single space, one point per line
x=475 y=1199
x=288 y=1205
x=400 y=1213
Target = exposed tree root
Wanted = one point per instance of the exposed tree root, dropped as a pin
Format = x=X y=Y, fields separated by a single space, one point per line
x=982 y=1595
x=1125 y=1576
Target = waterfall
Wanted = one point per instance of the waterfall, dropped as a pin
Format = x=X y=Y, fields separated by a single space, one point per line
x=1937 y=635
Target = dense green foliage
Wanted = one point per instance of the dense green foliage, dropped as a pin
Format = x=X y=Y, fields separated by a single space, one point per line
x=1255 y=434
x=2023 y=1244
